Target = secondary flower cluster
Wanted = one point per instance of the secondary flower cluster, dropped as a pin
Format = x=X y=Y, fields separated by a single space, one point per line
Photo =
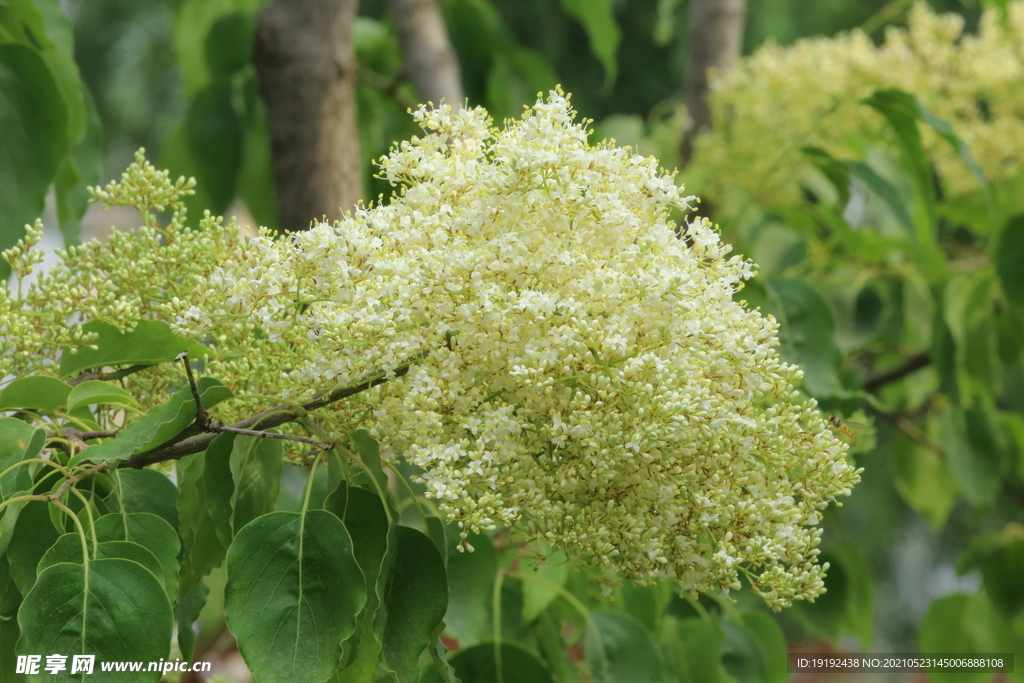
x=808 y=94
x=583 y=371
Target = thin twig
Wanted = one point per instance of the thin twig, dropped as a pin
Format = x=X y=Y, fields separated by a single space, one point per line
x=875 y=382
x=78 y=438
x=201 y=416
x=272 y=435
x=195 y=439
x=108 y=376
x=71 y=481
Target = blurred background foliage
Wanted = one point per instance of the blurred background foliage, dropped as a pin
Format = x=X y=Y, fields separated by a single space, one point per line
x=903 y=300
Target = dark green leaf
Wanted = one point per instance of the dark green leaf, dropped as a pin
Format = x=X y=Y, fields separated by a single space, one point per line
x=1009 y=257
x=203 y=550
x=79 y=170
x=112 y=608
x=161 y=425
x=772 y=643
x=696 y=645
x=293 y=592
x=977 y=471
x=618 y=648
x=478 y=665
x=186 y=612
x=219 y=485
x=807 y=334
x=149 y=531
x=68 y=548
x=471 y=585
x=416 y=600
x=923 y=480
x=152 y=341
x=214 y=135
x=964 y=625
x=38 y=392
x=537 y=595
x=19 y=441
x=229 y=43
x=33 y=139
x=598 y=21
x=256 y=466
x=33 y=535
x=146 y=491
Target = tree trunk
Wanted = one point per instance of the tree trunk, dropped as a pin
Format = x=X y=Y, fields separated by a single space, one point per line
x=306 y=65
x=716 y=39
x=429 y=58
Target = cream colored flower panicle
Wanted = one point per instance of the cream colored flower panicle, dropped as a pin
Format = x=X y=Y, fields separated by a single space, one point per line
x=780 y=99
x=583 y=371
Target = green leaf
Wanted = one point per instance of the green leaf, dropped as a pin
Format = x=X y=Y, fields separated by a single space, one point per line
x=598 y=21
x=68 y=548
x=19 y=441
x=149 y=531
x=471 y=583
x=161 y=425
x=79 y=170
x=37 y=392
x=416 y=600
x=618 y=648
x=772 y=643
x=186 y=612
x=219 y=485
x=214 y=136
x=696 y=645
x=229 y=43
x=146 y=491
x=202 y=548
x=33 y=139
x=1008 y=257
x=807 y=334
x=256 y=179
x=95 y=392
x=372 y=536
x=293 y=592
x=837 y=173
x=112 y=608
x=964 y=625
x=152 y=341
x=978 y=471
x=923 y=480
x=847 y=606
x=478 y=665
x=369 y=458
x=33 y=535
x=967 y=307
x=888 y=193
x=537 y=595
x=256 y=466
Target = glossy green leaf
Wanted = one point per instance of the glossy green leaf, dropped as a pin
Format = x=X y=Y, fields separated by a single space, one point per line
x=478 y=664
x=1008 y=258
x=214 y=136
x=598 y=20
x=95 y=392
x=618 y=648
x=152 y=341
x=961 y=624
x=33 y=139
x=160 y=425
x=416 y=600
x=807 y=334
x=219 y=483
x=146 y=491
x=112 y=608
x=372 y=535
x=293 y=592
x=149 y=531
x=256 y=466
x=38 y=392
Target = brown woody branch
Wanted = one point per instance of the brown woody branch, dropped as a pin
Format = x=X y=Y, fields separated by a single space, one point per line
x=198 y=436
x=876 y=381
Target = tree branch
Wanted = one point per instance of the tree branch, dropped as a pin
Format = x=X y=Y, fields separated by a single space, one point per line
x=429 y=58
x=878 y=380
x=198 y=437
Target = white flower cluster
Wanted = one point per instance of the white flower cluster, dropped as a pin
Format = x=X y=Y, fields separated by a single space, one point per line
x=586 y=374
x=780 y=99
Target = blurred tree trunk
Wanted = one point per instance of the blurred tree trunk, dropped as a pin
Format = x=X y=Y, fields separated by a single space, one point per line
x=716 y=39
x=429 y=58
x=306 y=65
